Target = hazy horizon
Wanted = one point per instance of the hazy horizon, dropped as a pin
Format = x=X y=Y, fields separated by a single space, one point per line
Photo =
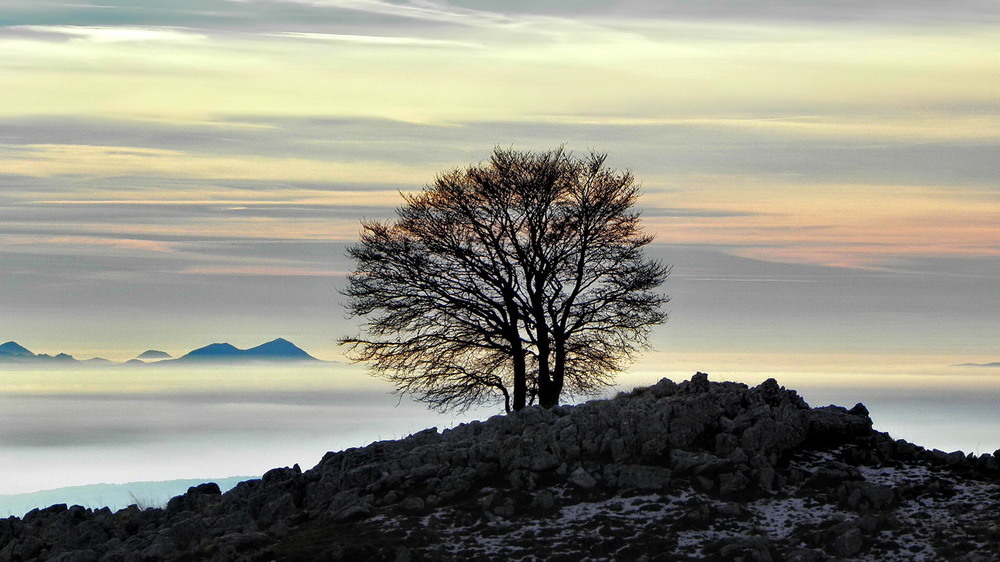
x=75 y=426
x=720 y=304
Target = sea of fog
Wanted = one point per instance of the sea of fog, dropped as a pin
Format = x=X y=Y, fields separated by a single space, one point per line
x=64 y=427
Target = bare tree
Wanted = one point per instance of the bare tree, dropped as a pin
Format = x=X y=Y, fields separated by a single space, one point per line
x=519 y=280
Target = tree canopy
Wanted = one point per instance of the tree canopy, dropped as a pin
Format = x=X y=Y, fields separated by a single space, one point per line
x=519 y=279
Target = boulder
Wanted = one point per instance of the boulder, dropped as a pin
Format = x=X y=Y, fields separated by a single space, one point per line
x=847 y=544
x=580 y=477
x=866 y=497
x=834 y=425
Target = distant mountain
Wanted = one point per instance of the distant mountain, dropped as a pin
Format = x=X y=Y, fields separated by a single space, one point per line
x=276 y=350
x=995 y=364
x=214 y=351
x=57 y=357
x=96 y=360
x=154 y=355
x=13 y=350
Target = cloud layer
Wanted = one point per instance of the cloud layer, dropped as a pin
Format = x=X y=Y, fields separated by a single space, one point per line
x=194 y=157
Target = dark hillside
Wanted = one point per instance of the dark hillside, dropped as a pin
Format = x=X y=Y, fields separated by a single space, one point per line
x=688 y=471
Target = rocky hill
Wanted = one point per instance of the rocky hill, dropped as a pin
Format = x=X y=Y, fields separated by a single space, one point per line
x=689 y=471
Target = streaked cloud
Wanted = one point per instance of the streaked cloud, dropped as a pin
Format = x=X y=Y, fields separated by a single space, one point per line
x=108 y=161
x=822 y=11
x=261 y=270
x=651 y=69
x=429 y=10
x=103 y=34
x=376 y=40
x=842 y=224
x=776 y=193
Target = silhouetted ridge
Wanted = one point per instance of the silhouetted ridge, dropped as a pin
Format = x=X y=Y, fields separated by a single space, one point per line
x=276 y=350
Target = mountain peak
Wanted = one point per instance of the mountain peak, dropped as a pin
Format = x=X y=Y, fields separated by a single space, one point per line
x=14 y=349
x=153 y=355
x=277 y=349
x=214 y=350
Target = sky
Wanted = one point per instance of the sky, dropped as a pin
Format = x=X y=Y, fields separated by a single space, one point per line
x=821 y=175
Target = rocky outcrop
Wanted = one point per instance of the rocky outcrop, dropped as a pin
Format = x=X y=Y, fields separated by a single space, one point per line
x=696 y=470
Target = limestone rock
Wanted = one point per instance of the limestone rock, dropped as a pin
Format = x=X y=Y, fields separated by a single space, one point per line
x=580 y=477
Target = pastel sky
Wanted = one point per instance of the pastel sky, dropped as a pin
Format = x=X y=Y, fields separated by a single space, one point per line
x=822 y=175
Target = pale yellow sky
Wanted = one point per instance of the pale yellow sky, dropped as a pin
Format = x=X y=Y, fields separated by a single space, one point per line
x=818 y=83
x=557 y=68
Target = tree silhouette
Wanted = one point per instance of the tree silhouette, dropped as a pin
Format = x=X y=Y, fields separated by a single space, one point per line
x=519 y=279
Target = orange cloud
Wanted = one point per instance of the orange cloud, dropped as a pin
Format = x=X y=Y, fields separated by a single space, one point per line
x=130 y=244
x=47 y=160
x=838 y=225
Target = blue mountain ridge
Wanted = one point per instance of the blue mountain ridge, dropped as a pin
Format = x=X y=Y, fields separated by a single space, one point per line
x=215 y=350
x=153 y=355
x=13 y=349
x=276 y=350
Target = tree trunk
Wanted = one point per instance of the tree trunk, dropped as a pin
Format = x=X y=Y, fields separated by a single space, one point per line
x=519 y=357
x=559 y=370
x=548 y=395
x=546 y=398
x=543 y=342
x=520 y=368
